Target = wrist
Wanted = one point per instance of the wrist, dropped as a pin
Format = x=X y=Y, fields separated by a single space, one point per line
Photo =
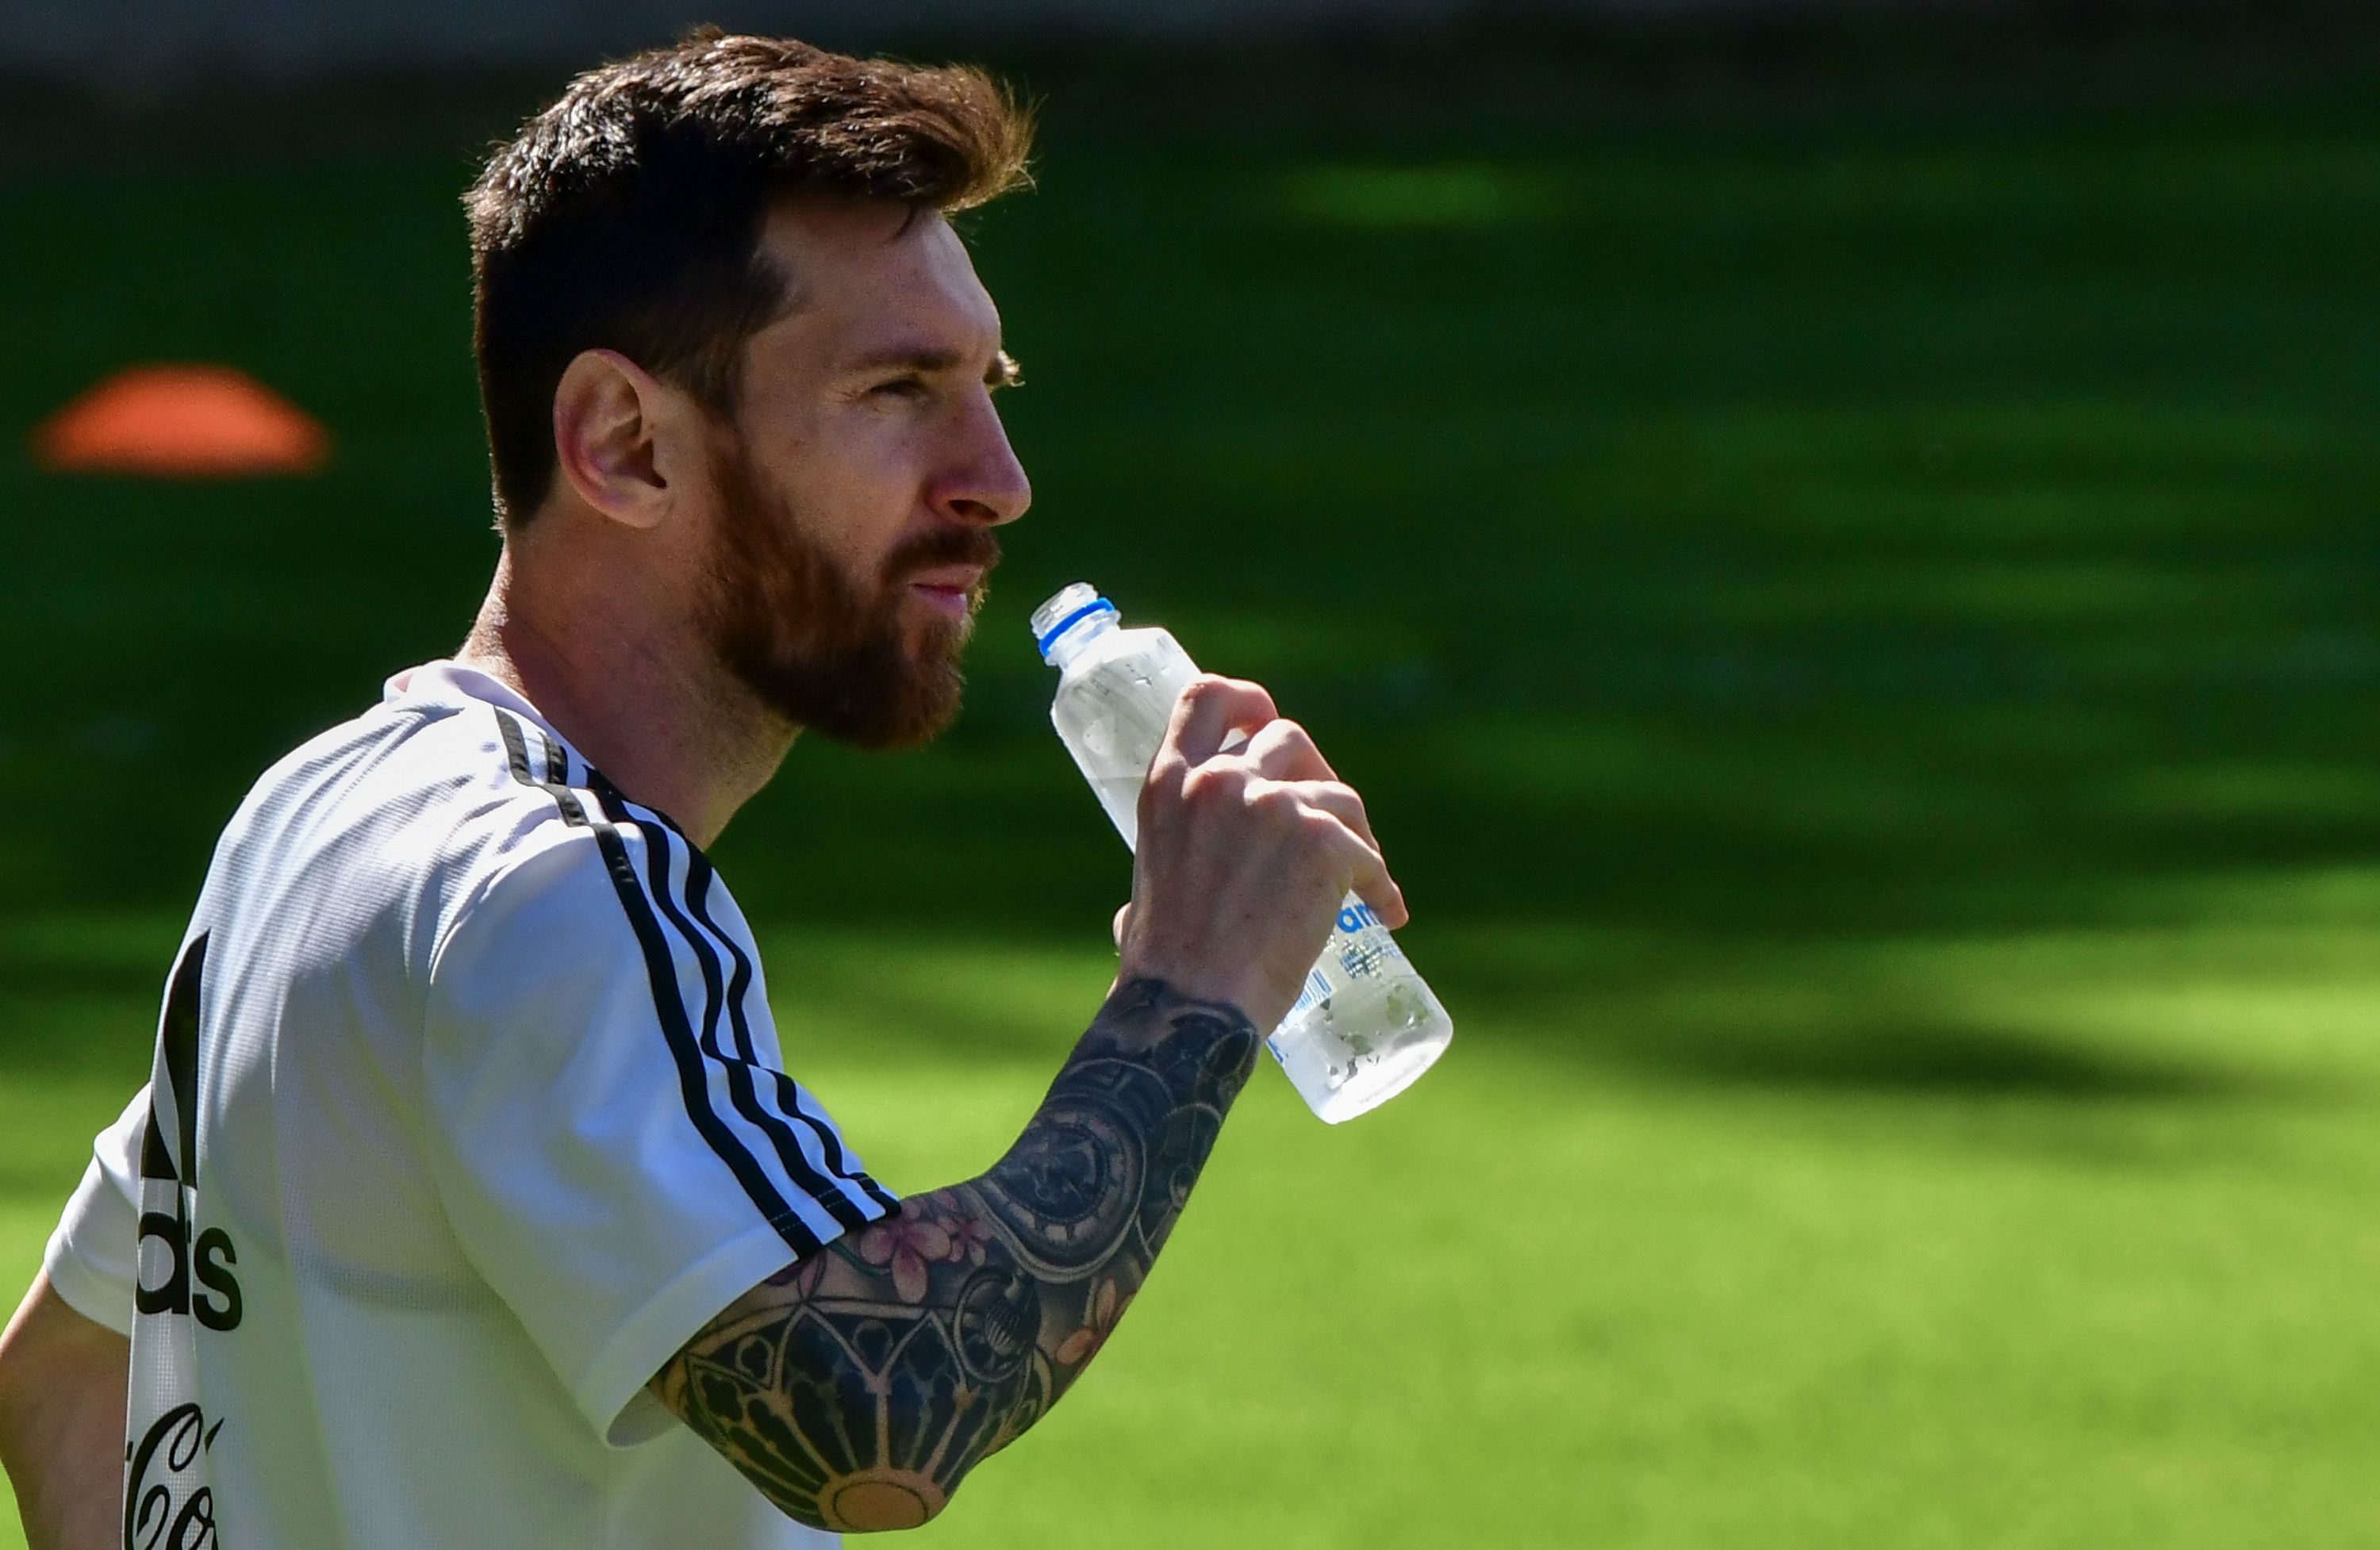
x=1202 y=1049
x=1238 y=994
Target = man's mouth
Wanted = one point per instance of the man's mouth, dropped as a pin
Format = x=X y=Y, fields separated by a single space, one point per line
x=950 y=590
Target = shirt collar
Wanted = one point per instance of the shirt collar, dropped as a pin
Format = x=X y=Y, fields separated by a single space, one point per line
x=447 y=682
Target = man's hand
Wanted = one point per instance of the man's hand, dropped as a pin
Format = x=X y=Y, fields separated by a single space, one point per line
x=1244 y=857
x=62 y=1380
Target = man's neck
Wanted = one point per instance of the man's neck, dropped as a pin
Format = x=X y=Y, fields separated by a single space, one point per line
x=660 y=722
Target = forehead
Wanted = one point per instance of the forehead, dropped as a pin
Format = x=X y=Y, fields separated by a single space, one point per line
x=860 y=276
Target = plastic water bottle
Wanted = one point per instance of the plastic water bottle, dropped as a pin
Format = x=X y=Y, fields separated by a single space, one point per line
x=1366 y=1027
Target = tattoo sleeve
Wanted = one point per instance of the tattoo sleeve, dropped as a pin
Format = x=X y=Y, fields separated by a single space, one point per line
x=858 y=1386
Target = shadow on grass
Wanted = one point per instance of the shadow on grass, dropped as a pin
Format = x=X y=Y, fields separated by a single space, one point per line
x=1920 y=1057
x=2234 y=1008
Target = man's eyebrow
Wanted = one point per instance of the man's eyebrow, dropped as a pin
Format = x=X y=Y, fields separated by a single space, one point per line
x=914 y=358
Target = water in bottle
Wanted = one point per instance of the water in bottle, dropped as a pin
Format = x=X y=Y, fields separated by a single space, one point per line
x=1366 y=1027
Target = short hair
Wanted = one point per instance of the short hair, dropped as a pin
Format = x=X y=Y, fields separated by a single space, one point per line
x=627 y=214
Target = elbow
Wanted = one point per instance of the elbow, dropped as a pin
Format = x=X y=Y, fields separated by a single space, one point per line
x=922 y=1449
x=874 y=1500
x=886 y=1494
x=791 y=1474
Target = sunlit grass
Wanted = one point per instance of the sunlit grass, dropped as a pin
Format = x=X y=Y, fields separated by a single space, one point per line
x=2039 y=1241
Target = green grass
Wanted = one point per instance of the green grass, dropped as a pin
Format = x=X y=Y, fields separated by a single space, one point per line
x=2094 y=1271
x=1859 y=637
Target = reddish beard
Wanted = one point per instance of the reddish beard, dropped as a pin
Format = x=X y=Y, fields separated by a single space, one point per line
x=791 y=627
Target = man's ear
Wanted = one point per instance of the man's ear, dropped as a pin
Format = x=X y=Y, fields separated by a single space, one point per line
x=617 y=436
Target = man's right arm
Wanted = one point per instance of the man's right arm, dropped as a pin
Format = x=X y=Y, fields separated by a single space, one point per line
x=857 y=1388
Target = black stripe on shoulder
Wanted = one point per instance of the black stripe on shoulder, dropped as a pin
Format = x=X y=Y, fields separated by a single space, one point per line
x=742 y=1087
x=668 y=1004
x=516 y=749
x=700 y=875
x=614 y=799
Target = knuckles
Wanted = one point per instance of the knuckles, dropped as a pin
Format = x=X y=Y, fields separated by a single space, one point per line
x=1166 y=773
x=1324 y=831
x=1202 y=784
x=1338 y=794
x=1214 y=785
x=1227 y=787
x=1226 y=794
x=1277 y=806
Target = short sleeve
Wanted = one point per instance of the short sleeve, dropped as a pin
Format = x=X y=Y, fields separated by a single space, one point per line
x=92 y=1257
x=615 y=1140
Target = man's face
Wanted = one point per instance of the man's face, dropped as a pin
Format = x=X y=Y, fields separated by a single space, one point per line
x=856 y=492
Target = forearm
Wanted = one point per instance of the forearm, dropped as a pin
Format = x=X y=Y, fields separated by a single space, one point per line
x=62 y=1381
x=859 y=1388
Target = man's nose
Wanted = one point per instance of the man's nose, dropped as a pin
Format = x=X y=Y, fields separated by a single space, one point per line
x=985 y=484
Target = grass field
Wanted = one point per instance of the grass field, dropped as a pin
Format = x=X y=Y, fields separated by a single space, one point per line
x=1859 y=635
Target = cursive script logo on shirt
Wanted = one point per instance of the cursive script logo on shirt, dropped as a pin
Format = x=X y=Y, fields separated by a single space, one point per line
x=167 y=1504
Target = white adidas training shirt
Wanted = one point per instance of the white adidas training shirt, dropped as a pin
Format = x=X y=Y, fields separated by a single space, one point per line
x=467 y=1113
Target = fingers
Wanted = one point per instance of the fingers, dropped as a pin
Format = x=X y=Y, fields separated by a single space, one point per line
x=1124 y=918
x=1341 y=802
x=1354 y=846
x=1210 y=709
x=1229 y=716
x=1282 y=751
x=1333 y=817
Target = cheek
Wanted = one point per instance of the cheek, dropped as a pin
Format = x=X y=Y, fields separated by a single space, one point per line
x=866 y=496
x=834 y=491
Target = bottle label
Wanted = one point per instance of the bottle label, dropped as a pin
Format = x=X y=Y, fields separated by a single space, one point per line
x=1363 y=947
x=1355 y=916
x=1316 y=991
x=1360 y=947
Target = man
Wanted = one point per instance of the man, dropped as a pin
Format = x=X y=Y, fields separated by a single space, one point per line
x=472 y=1205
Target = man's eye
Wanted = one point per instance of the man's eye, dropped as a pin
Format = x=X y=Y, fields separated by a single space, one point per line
x=900 y=387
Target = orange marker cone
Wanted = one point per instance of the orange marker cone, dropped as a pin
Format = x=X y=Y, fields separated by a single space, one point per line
x=182 y=422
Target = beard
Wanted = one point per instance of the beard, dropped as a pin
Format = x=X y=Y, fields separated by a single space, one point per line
x=825 y=653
